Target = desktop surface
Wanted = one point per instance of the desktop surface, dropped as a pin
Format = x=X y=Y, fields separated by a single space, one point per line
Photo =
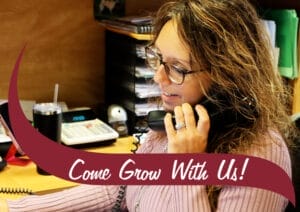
x=21 y=180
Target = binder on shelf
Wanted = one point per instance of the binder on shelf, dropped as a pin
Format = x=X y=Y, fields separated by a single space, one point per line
x=286 y=39
x=139 y=27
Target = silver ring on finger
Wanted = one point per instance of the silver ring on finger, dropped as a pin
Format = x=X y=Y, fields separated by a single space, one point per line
x=179 y=125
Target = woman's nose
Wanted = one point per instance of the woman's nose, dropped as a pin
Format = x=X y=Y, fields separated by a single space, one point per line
x=160 y=76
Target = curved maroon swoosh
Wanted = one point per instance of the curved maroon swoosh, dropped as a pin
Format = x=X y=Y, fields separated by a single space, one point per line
x=57 y=159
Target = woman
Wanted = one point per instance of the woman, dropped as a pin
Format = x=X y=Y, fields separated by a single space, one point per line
x=202 y=49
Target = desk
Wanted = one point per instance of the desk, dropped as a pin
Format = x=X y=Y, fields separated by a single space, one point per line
x=26 y=176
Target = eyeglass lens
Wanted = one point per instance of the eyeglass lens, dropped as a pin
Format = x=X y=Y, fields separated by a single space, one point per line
x=154 y=60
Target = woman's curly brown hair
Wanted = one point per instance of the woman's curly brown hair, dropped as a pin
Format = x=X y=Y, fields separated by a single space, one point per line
x=228 y=40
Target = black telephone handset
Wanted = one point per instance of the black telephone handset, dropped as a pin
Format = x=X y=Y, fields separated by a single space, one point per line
x=222 y=116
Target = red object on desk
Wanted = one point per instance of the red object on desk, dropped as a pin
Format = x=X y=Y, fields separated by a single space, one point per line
x=13 y=160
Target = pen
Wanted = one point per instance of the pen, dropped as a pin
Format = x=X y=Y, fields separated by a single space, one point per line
x=9 y=133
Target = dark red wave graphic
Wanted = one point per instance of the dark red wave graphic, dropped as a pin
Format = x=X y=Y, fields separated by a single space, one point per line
x=156 y=169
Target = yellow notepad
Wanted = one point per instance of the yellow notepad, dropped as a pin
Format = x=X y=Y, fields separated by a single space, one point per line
x=13 y=186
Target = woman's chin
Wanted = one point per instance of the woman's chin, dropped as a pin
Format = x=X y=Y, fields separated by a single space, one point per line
x=168 y=107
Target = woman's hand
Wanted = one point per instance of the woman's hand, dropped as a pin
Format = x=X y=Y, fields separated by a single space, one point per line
x=190 y=136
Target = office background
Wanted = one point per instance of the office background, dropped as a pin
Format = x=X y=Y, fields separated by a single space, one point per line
x=65 y=45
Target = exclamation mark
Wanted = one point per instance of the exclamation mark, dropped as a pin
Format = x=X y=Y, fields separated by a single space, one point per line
x=244 y=168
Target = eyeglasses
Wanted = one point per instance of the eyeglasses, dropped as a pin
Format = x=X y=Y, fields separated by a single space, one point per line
x=174 y=72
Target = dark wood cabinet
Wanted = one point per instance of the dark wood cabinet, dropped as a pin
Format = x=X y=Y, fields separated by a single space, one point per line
x=126 y=75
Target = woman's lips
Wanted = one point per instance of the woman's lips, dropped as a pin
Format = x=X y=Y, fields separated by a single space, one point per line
x=168 y=97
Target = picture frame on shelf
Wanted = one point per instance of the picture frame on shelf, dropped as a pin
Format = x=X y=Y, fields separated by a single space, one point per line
x=108 y=9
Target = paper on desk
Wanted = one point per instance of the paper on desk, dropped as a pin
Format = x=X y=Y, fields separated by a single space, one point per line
x=24 y=179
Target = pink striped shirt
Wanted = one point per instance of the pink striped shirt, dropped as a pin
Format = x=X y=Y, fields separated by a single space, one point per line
x=168 y=198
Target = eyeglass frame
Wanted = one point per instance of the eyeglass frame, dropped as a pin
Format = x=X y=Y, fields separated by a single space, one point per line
x=167 y=67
